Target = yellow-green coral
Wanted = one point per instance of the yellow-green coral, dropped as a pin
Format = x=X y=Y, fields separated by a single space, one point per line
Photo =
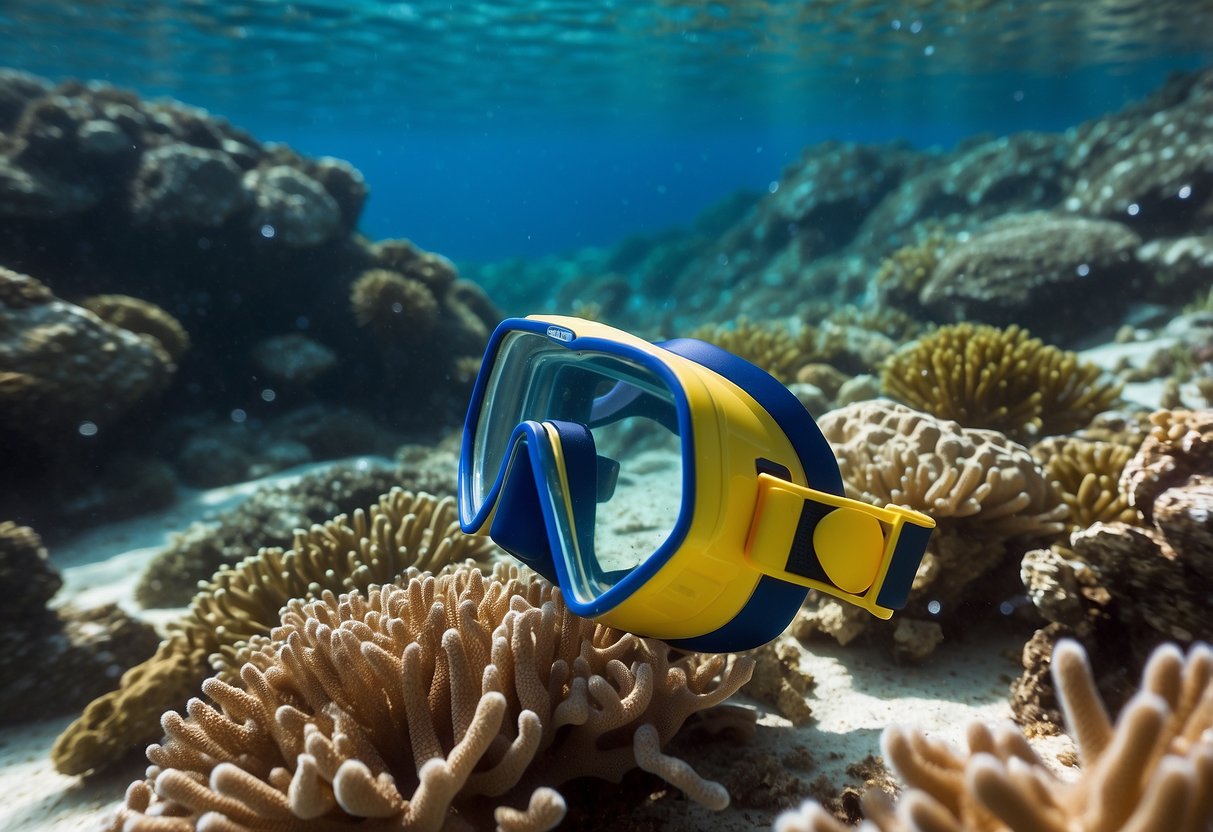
x=903 y=273
x=773 y=347
x=142 y=318
x=403 y=530
x=1087 y=474
x=393 y=306
x=1002 y=379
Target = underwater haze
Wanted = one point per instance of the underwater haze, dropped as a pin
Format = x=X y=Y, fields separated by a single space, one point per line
x=841 y=306
x=494 y=129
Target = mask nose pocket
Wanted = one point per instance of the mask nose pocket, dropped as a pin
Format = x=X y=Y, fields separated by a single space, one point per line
x=518 y=524
x=554 y=481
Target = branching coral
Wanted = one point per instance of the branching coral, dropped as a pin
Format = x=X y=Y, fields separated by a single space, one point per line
x=903 y=273
x=1151 y=770
x=372 y=547
x=1002 y=379
x=395 y=707
x=1086 y=474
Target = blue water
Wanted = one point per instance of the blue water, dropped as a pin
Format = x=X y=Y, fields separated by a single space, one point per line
x=497 y=129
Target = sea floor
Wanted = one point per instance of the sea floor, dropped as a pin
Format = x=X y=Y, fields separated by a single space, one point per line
x=857 y=691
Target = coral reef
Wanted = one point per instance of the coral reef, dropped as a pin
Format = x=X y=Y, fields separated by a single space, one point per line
x=1001 y=379
x=1123 y=588
x=770 y=346
x=987 y=494
x=394 y=307
x=779 y=681
x=46 y=398
x=371 y=547
x=1152 y=769
x=414 y=699
x=1086 y=473
x=268 y=518
x=75 y=653
x=216 y=234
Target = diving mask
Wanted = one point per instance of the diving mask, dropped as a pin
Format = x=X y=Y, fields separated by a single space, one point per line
x=672 y=490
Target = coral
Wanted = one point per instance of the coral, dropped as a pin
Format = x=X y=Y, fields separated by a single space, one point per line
x=401 y=256
x=986 y=493
x=1180 y=265
x=903 y=273
x=1136 y=169
x=1086 y=473
x=344 y=183
x=397 y=706
x=372 y=547
x=290 y=206
x=61 y=366
x=1134 y=586
x=1151 y=770
x=394 y=307
x=1178 y=447
x=74 y=653
x=27 y=579
x=1037 y=266
x=268 y=518
x=979 y=180
x=181 y=185
x=772 y=347
x=890 y=453
x=1002 y=379
x=293 y=360
x=142 y=318
x=779 y=681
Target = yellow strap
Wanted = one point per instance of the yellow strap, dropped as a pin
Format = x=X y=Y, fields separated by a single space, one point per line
x=834 y=544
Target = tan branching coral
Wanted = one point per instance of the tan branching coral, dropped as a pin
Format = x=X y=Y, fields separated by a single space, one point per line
x=393 y=306
x=1151 y=770
x=142 y=318
x=396 y=706
x=373 y=547
x=1002 y=379
x=1087 y=473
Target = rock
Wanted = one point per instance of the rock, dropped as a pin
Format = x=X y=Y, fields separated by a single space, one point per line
x=1037 y=267
x=291 y=207
x=181 y=185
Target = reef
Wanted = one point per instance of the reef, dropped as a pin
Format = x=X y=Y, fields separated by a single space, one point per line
x=74 y=654
x=374 y=546
x=1001 y=379
x=333 y=719
x=183 y=229
x=1124 y=587
x=1150 y=769
x=987 y=494
x=1109 y=215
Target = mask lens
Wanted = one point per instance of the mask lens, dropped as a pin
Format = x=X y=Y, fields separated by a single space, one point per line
x=632 y=417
